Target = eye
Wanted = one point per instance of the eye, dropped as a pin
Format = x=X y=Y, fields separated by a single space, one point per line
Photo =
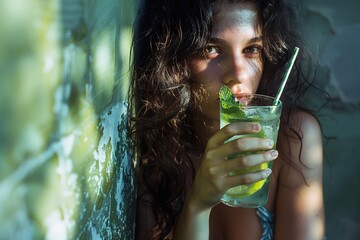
x=253 y=50
x=211 y=51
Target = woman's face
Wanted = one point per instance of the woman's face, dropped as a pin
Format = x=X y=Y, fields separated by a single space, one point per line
x=232 y=58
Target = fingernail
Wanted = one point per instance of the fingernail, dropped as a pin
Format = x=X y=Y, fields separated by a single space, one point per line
x=256 y=127
x=271 y=143
x=274 y=153
x=268 y=172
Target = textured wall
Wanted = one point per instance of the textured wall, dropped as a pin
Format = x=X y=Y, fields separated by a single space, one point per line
x=333 y=28
x=66 y=170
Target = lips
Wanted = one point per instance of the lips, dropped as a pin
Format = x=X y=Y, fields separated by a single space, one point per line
x=243 y=98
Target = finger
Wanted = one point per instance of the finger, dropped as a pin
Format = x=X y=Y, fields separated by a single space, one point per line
x=237 y=146
x=246 y=144
x=248 y=178
x=244 y=162
x=230 y=130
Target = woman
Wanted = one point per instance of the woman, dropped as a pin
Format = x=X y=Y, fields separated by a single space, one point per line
x=185 y=50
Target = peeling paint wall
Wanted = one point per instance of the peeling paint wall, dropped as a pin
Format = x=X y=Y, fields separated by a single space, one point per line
x=66 y=168
x=333 y=29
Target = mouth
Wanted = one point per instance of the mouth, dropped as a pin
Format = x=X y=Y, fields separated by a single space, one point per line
x=244 y=99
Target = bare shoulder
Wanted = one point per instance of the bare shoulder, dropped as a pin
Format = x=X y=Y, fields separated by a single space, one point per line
x=308 y=124
x=311 y=138
x=301 y=147
x=299 y=200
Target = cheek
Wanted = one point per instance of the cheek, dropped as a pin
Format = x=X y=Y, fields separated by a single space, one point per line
x=205 y=82
x=205 y=86
x=256 y=83
x=255 y=78
x=198 y=72
x=204 y=72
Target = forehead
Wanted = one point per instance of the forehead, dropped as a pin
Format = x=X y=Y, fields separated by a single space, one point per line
x=235 y=16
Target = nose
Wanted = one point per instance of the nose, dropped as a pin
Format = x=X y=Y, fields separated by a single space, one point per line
x=235 y=69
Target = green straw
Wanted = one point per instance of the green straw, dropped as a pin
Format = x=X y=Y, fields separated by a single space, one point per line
x=286 y=76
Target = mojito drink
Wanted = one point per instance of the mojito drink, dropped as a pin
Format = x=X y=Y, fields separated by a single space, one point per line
x=250 y=108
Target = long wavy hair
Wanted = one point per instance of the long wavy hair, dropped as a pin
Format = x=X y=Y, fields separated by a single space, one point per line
x=166 y=33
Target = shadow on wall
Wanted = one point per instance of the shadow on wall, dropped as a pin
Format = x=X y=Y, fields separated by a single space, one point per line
x=66 y=170
x=334 y=29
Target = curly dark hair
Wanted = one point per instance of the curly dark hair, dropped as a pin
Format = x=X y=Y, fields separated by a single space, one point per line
x=166 y=33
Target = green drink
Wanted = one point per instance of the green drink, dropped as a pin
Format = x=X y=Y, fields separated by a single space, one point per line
x=249 y=108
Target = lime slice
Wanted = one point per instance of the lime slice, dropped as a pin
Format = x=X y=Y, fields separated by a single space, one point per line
x=247 y=190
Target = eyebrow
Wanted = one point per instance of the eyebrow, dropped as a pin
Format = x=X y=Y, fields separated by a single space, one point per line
x=222 y=41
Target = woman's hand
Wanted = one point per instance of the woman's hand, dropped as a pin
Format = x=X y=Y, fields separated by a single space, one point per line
x=213 y=178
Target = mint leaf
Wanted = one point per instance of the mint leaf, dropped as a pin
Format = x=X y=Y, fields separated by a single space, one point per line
x=231 y=109
x=225 y=94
